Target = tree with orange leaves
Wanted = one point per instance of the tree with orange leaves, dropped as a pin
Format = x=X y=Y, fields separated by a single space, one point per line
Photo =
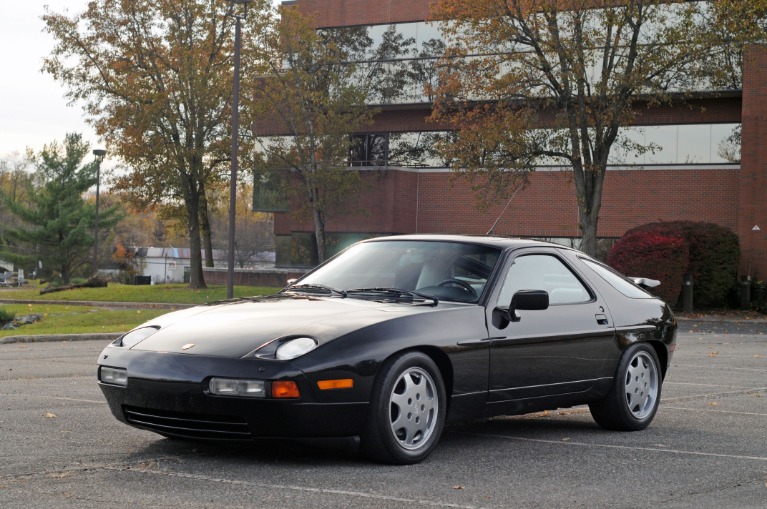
x=532 y=82
x=156 y=80
x=317 y=91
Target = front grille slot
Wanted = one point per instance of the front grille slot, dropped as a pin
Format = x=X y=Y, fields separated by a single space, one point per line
x=188 y=425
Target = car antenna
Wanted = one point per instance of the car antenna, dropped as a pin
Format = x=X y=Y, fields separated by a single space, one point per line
x=490 y=231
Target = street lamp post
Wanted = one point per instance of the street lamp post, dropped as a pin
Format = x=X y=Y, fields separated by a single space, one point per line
x=99 y=153
x=235 y=144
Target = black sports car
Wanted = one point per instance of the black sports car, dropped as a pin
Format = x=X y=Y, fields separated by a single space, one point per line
x=386 y=342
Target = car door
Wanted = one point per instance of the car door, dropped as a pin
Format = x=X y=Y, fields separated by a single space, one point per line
x=542 y=353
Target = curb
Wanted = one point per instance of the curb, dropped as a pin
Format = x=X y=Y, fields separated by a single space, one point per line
x=103 y=304
x=57 y=338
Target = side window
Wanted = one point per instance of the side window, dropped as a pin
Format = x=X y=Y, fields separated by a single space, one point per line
x=543 y=272
x=617 y=281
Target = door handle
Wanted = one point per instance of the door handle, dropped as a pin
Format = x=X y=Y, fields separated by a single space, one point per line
x=601 y=319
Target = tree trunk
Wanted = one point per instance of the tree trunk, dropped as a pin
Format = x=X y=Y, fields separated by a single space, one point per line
x=588 y=229
x=205 y=230
x=319 y=234
x=196 y=276
x=66 y=277
x=589 y=204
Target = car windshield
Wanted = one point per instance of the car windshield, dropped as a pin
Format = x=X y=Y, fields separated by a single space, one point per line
x=450 y=271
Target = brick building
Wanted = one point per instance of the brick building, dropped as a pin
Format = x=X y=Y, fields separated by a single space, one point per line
x=687 y=180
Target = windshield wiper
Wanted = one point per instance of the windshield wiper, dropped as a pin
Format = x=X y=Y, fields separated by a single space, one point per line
x=315 y=288
x=393 y=293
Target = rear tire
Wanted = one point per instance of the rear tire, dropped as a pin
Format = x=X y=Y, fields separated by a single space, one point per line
x=407 y=410
x=634 y=396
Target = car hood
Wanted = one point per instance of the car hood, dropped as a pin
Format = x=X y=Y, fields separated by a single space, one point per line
x=235 y=329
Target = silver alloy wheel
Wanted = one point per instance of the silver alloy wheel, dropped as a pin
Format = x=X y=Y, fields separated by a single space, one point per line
x=642 y=385
x=413 y=408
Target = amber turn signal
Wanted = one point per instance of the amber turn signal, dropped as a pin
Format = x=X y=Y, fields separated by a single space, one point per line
x=343 y=383
x=285 y=390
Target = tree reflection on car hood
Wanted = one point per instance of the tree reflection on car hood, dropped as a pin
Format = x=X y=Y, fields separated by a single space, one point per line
x=235 y=329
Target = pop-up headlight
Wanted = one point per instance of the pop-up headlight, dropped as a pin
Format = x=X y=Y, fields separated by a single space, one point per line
x=135 y=337
x=295 y=348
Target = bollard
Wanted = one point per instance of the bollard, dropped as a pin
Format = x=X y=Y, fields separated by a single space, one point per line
x=687 y=294
x=761 y=296
x=745 y=292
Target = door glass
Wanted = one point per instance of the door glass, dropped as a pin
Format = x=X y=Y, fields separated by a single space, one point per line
x=543 y=272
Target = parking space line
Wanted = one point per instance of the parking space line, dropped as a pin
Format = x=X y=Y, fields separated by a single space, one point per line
x=76 y=400
x=289 y=487
x=79 y=400
x=666 y=384
x=621 y=447
x=720 y=355
x=744 y=392
x=758 y=370
x=713 y=411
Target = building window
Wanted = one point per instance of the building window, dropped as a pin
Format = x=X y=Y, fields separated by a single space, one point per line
x=270 y=191
x=685 y=144
x=369 y=150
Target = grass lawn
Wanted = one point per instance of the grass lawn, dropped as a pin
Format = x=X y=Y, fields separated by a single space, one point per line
x=60 y=318
x=67 y=319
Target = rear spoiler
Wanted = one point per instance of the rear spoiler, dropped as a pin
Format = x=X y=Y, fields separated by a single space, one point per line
x=645 y=282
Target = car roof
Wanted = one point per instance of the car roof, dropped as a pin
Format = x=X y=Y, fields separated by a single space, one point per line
x=497 y=242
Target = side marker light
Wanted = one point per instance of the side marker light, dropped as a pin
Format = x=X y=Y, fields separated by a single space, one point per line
x=329 y=385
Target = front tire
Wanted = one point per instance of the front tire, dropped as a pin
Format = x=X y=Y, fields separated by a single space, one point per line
x=634 y=396
x=407 y=410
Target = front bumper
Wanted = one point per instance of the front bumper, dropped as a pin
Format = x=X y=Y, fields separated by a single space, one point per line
x=168 y=394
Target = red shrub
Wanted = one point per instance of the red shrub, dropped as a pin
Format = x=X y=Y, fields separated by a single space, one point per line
x=714 y=253
x=657 y=255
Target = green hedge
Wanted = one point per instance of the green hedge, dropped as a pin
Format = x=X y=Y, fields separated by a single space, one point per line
x=6 y=316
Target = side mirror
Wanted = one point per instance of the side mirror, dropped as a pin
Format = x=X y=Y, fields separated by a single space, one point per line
x=292 y=281
x=530 y=300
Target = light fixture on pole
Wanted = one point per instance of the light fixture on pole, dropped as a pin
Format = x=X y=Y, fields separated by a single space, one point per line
x=235 y=143
x=99 y=153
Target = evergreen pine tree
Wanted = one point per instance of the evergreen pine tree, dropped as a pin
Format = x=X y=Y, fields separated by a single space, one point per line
x=58 y=221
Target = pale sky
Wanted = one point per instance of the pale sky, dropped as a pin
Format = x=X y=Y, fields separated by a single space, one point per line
x=33 y=110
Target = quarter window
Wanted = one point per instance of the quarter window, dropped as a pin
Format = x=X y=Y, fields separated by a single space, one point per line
x=543 y=272
x=617 y=281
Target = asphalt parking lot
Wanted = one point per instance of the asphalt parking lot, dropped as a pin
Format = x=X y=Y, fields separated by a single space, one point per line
x=60 y=447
